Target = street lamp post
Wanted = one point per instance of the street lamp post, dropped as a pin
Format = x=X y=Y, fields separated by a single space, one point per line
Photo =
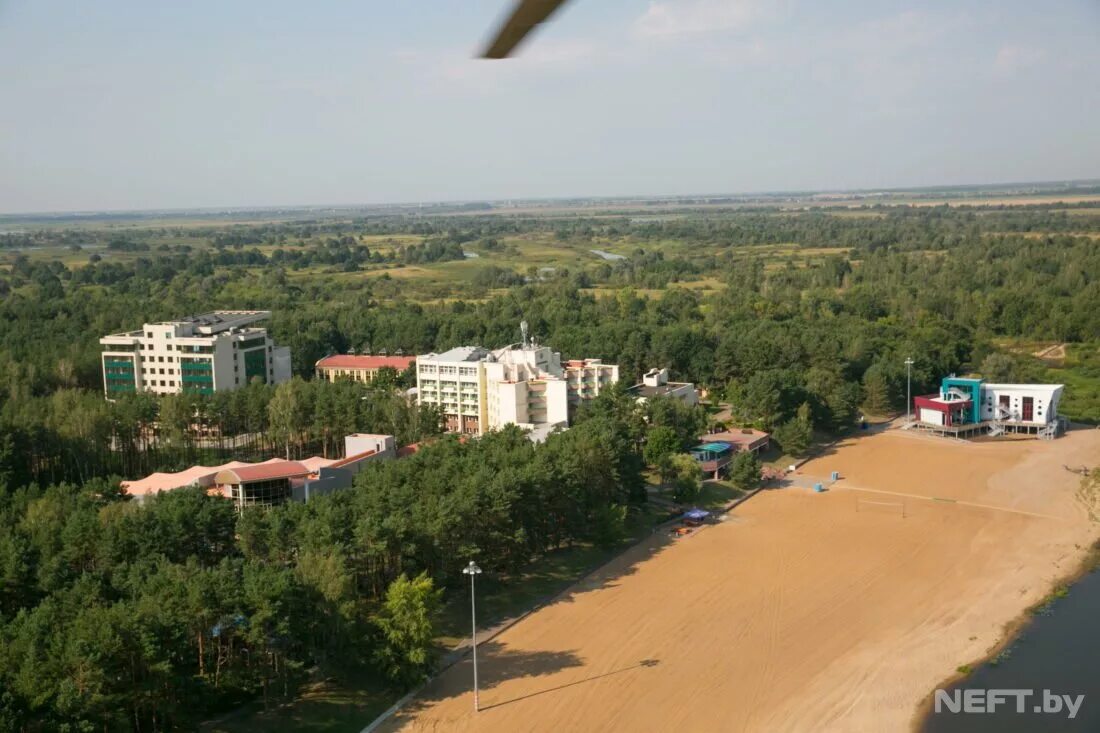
x=908 y=390
x=472 y=570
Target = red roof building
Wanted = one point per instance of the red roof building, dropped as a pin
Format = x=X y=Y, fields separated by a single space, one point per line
x=263 y=484
x=359 y=368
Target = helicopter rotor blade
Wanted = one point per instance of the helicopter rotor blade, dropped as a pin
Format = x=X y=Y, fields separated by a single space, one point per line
x=524 y=18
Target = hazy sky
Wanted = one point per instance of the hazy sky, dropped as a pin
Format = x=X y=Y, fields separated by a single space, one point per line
x=129 y=104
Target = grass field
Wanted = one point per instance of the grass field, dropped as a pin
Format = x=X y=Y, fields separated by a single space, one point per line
x=321 y=707
x=1080 y=372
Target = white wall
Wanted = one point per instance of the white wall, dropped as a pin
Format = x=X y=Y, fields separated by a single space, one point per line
x=557 y=402
x=224 y=376
x=1045 y=401
x=934 y=417
x=362 y=442
x=508 y=404
x=281 y=362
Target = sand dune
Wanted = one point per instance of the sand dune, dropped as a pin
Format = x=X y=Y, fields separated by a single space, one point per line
x=799 y=612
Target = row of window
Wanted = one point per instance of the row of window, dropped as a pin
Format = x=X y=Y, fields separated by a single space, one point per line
x=188 y=348
x=469 y=371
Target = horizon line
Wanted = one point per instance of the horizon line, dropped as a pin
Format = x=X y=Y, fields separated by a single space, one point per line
x=547 y=199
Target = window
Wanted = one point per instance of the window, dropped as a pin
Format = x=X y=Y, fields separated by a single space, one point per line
x=149 y=335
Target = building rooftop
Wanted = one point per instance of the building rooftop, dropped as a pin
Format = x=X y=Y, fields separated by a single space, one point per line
x=217 y=321
x=646 y=390
x=743 y=438
x=263 y=472
x=206 y=324
x=204 y=475
x=352 y=459
x=1032 y=387
x=460 y=353
x=353 y=361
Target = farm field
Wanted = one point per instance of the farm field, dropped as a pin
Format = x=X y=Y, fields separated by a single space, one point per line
x=799 y=612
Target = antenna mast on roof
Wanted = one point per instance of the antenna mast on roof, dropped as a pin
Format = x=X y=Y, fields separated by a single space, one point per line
x=523 y=333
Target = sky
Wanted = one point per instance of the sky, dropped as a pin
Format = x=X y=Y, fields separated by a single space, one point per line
x=132 y=104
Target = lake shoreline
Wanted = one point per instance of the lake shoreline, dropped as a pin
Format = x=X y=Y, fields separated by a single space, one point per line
x=1012 y=632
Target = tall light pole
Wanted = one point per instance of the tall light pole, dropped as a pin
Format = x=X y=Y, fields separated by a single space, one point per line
x=908 y=390
x=473 y=570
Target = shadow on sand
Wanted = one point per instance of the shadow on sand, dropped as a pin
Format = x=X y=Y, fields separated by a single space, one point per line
x=645 y=663
x=496 y=663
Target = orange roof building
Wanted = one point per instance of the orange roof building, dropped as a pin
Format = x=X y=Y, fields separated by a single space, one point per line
x=362 y=368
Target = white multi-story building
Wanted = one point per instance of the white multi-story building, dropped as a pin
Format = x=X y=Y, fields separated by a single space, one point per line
x=206 y=353
x=454 y=381
x=586 y=378
x=480 y=390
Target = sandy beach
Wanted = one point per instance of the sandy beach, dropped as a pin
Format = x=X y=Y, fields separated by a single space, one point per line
x=801 y=611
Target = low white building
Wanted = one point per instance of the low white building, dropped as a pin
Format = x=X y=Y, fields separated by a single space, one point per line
x=206 y=353
x=1024 y=404
x=966 y=405
x=655 y=383
x=523 y=384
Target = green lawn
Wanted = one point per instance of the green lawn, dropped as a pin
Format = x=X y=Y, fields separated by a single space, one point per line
x=322 y=707
x=716 y=494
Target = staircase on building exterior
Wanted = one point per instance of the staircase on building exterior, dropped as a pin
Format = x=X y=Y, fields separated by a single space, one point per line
x=1051 y=431
x=954 y=393
x=997 y=424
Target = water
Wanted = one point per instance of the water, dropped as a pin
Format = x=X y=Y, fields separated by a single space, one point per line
x=1060 y=652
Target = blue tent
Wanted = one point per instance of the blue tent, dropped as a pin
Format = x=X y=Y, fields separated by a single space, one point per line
x=696 y=514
